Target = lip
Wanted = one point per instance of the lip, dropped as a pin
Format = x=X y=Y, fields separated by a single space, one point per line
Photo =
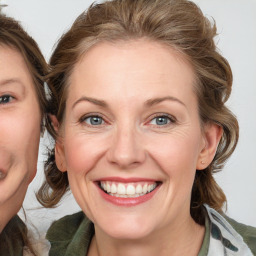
x=127 y=202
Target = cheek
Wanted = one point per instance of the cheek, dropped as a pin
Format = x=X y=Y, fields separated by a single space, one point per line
x=19 y=142
x=82 y=153
x=176 y=155
x=32 y=147
x=21 y=133
x=177 y=159
x=29 y=131
x=29 y=152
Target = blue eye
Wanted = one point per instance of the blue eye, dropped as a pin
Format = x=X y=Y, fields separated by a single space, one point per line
x=161 y=120
x=94 y=120
x=5 y=99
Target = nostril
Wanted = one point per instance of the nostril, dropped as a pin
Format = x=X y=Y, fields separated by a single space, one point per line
x=126 y=157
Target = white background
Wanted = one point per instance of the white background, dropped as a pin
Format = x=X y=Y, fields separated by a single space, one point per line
x=46 y=20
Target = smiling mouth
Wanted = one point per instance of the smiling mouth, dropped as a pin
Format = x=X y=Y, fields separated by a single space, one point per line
x=128 y=190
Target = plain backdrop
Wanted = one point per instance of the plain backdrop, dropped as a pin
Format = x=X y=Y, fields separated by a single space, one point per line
x=46 y=20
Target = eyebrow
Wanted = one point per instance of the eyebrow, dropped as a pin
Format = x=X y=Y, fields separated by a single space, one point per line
x=12 y=81
x=148 y=103
x=97 y=102
x=151 y=102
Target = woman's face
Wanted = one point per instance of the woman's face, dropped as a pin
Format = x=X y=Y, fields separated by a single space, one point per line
x=131 y=139
x=19 y=132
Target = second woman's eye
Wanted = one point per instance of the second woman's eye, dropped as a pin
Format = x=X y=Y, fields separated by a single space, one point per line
x=5 y=99
x=161 y=120
x=93 y=120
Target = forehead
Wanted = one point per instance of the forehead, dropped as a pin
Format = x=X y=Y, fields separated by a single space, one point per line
x=141 y=65
x=15 y=75
x=12 y=61
x=13 y=67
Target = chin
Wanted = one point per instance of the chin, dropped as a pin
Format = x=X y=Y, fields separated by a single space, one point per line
x=126 y=229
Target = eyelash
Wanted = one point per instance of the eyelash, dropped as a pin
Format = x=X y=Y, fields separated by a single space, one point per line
x=3 y=98
x=170 y=120
x=96 y=115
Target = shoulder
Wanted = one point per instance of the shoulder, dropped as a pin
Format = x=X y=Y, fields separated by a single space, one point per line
x=248 y=233
x=70 y=234
x=16 y=223
x=230 y=236
x=11 y=238
x=65 y=227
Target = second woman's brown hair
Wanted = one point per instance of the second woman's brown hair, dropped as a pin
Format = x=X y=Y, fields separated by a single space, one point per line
x=180 y=25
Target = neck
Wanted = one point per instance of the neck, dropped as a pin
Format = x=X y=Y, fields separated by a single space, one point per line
x=183 y=239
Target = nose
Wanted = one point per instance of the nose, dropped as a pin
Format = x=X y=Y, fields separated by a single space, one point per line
x=126 y=149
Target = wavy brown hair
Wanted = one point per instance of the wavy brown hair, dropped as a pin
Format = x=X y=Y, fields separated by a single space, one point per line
x=180 y=25
x=13 y=35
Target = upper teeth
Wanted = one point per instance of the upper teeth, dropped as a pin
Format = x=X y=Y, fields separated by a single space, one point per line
x=127 y=189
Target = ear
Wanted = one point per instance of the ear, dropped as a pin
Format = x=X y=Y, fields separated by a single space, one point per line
x=60 y=156
x=59 y=148
x=54 y=122
x=211 y=139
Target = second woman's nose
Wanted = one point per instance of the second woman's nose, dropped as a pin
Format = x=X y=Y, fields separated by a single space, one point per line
x=126 y=149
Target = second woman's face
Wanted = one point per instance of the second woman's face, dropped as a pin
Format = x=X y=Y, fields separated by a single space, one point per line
x=131 y=138
x=19 y=132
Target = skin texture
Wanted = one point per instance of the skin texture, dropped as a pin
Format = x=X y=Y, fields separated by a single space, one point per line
x=129 y=143
x=19 y=132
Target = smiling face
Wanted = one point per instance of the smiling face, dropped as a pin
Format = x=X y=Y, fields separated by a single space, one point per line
x=131 y=139
x=19 y=132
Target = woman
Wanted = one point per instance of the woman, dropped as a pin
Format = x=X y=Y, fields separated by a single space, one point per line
x=140 y=123
x=22 y=108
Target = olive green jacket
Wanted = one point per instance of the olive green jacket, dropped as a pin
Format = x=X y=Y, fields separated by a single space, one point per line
x=71 y=236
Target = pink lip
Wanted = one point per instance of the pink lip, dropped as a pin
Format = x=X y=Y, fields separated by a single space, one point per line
x=127 y=202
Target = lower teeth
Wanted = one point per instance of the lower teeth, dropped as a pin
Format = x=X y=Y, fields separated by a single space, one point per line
x=126 y=196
